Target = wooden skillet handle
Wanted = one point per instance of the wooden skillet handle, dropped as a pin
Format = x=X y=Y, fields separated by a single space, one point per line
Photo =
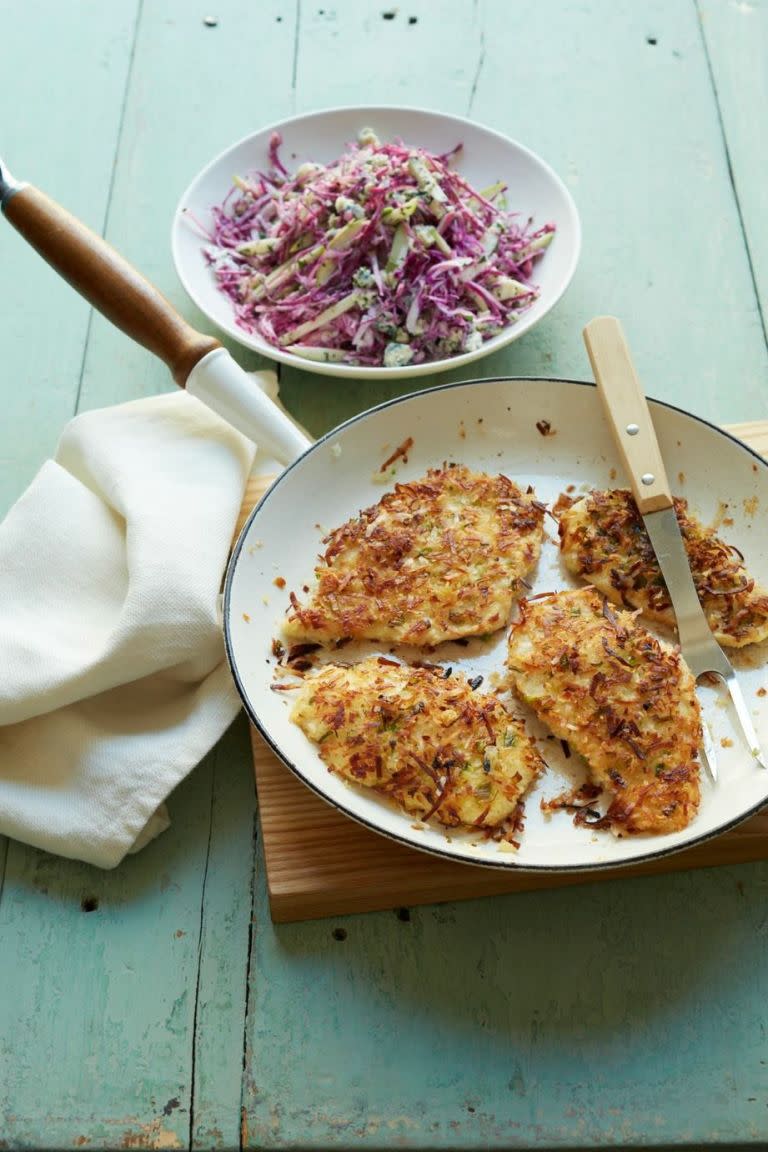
x=626 y=410
x=107 y=281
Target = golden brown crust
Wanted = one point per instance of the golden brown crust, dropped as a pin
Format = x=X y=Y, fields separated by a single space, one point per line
x=431 y=743
x=603 y=540
x=436 y=559
x=626 y=703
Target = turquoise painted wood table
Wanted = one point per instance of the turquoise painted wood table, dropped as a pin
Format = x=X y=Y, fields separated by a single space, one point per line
x=157 y=1006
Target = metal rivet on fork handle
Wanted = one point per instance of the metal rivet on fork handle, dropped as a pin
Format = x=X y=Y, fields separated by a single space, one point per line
x=647 y=478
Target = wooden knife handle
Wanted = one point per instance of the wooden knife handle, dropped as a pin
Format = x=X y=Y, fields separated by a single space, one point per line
x=107 y=281
x=626 y=409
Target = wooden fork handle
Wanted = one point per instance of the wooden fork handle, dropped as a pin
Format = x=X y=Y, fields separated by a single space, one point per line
x=626 y=410
x=107 y=281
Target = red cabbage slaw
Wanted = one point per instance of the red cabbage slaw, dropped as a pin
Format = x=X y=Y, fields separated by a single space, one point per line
x=385 y=257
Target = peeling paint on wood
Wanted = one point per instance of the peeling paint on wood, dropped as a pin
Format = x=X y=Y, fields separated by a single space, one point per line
x=538 y=1020
x=151 y=1135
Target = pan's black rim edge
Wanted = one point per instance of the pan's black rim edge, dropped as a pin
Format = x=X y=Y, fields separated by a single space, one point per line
x=500 y=865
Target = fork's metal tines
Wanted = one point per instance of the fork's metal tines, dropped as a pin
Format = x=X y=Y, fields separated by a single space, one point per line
x=745 y=719
x=708 y=754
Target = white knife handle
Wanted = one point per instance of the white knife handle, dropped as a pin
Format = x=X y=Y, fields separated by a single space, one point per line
x=222 y=384
x=627 y=413
x=119 y=292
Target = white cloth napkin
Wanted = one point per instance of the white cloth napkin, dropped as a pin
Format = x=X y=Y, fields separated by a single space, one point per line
x=113 y=681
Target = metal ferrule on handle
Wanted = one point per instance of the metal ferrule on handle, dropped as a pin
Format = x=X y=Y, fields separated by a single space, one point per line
x=9 y=186
x=131 y=303
x=220 y=383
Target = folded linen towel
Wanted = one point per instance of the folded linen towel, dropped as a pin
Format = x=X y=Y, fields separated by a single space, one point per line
x=113 y=680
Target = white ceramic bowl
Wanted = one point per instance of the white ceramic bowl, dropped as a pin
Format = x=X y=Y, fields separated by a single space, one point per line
x=485 y=158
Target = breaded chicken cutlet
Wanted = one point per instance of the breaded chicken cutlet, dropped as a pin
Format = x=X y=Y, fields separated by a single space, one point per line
x=432 y=744
x=603 y=540
x=623 y=701
x=436 y=559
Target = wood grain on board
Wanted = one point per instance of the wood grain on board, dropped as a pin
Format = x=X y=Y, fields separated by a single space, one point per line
x=321 y=863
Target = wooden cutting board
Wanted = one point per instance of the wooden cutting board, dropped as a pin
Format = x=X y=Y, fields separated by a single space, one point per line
x=321 y=863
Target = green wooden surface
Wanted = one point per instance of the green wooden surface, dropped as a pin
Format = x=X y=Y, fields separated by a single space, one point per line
x=48 y=96
x=629 y=1013
x=632 y=127
x=736 y=36
x=174 y=1014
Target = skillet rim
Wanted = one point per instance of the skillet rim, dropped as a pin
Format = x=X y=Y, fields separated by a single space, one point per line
x=509 y=865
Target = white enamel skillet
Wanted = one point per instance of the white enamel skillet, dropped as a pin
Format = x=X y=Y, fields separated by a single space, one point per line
x=549 y=433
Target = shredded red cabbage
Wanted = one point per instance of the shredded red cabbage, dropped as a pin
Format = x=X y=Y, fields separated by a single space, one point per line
x=385 y=257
